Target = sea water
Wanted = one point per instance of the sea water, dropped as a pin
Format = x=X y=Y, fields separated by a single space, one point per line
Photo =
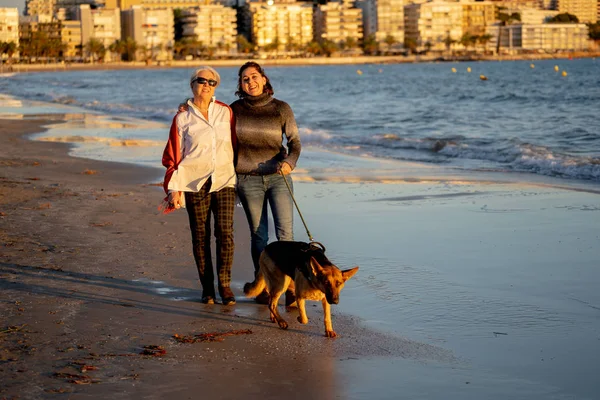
x=470 y=206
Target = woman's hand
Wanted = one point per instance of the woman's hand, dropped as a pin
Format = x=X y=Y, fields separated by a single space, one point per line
x=183 y=107
x=175 y=199
x=285 y=169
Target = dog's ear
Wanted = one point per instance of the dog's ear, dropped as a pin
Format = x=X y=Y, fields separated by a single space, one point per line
x=315 y=267
x=349 y=273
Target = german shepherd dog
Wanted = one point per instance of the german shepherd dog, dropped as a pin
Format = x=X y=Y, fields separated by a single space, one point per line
x=305 y=266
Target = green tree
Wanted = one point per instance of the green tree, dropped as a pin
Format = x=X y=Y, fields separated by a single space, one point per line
x=350 y=42
x=243 y=44
x=448 y=42
x=594 y=32
x=313 y=48
x=484 y=39
x=389 y=41
x=564 y=18
x=95 y=48
x=8 y=48
x=410 y=44
x=129 y=48
x=370 y=45
x=329 y=47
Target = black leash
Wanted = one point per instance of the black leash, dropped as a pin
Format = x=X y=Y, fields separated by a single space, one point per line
x=297 y=208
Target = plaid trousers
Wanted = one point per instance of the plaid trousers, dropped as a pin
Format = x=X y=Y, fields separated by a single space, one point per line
x=199 y=205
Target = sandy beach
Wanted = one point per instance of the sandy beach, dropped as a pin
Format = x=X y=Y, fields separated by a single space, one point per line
x=472 y=285
x=91 y=274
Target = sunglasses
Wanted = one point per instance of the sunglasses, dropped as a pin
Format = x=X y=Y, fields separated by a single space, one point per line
x=202 y=81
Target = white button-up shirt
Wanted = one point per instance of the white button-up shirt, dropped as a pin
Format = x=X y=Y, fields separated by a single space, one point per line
x=206 y=149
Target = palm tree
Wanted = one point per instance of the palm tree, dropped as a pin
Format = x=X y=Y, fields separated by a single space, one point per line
x=389 y=41
x=95 y=49
x=410 y=44
x=370 y=45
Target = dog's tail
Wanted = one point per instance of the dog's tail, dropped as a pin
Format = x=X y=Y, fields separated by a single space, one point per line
x=253 y=289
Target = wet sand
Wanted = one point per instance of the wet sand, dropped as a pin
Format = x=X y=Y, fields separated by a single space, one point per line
x=92 y=276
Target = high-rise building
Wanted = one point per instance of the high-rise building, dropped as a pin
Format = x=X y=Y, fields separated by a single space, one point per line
x=549 y=37
x=390 y=19
x=477 y=16
x=9 y=25
x=338 y=22
x=70 y=34
x=585 y=10
x=159 y=4
x=284 y=26
x=434 y=25
x=152 y=29
x=214 y=25
x=40 y=7
x=101 y=24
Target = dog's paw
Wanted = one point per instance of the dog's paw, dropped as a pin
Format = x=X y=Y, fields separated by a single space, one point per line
x=330 y=334
x=302 y=321
x=283 y=324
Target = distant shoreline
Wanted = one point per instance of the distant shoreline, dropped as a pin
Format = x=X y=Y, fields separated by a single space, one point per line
x=289 y=62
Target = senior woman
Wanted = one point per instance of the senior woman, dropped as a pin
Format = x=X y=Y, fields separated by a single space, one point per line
x=201 y=177
x=261 y=121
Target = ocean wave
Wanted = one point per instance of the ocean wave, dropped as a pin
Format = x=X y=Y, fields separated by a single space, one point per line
x=503 y=155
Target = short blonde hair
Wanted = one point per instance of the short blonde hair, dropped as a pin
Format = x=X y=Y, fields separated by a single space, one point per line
x=206 y=68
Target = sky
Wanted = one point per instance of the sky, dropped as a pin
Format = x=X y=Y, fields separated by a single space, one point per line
x=20 y=4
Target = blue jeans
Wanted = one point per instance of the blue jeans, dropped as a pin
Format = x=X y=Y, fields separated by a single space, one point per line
x=254 y=192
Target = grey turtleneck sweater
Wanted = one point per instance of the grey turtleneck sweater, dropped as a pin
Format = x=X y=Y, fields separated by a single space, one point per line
x=260 y=123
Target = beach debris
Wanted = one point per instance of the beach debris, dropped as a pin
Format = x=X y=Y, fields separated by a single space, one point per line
x=154 y=350
x=11 y=329
x=59 y=390
x=33 y=179
x=76 y=378
x=210 y=336
x=101 y=224
x=483 y=77
x=90 y=172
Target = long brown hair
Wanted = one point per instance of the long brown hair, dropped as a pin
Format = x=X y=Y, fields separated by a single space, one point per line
x=251 y=64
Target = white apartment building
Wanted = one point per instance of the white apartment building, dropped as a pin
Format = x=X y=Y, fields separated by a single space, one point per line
x=9 y=25
x=532 y=16
x=549 y=37
x=477 y=16
x=40 y=7
x=585 y=10
x=337 y=21
x=159 y=4
x=152 y=29
x=101 y=24
x=431 y=24
x=287 y=24
x=214 y=25
x=390 y=20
